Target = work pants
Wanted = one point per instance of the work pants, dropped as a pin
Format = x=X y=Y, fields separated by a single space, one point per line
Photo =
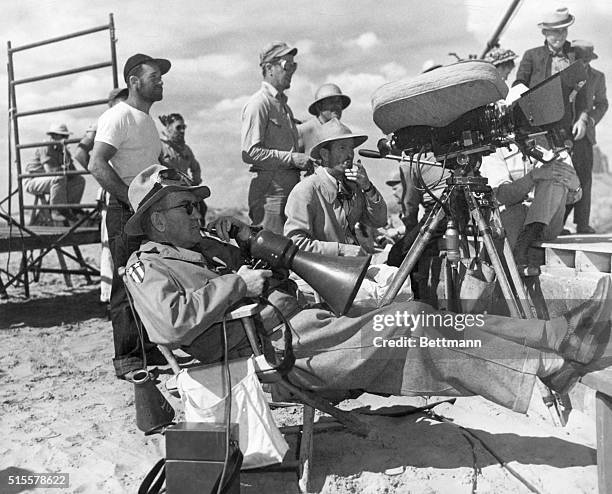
x=128 y=350
x=583 y=163
x=64 y=189
x=268 y=194
x=335 y=355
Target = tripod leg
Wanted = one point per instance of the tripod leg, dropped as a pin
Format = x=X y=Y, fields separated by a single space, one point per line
x=548 y=397
x=432 y=222
x=485 y=232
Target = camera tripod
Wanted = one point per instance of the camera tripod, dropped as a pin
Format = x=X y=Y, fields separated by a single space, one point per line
x=479 y=197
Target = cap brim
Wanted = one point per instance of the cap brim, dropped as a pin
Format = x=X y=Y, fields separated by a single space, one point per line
x=359 y=139
x=163 y=64
x=288 y=51
x=59 y=133
x=133 y=226
x=345 y=102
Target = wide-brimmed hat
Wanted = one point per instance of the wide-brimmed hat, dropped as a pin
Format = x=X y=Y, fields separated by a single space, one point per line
x=584 y=50
x=274 y=50
x=138 y=59
x=334 y=130
x=328 y=91
x=59 y=129
x=118 y=92
x=150 y=186
x=499 y=55
x=557 y=19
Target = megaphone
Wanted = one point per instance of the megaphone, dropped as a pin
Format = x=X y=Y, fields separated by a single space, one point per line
x=335 y=279
x=152 y=410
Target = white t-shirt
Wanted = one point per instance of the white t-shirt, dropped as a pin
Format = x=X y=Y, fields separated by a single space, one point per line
x=134 y=134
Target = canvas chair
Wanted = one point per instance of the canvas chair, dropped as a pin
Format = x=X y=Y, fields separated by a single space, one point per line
x=246 y=315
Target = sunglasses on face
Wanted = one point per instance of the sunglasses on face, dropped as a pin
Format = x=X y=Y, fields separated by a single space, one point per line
x=189 y=207
x=287 y=65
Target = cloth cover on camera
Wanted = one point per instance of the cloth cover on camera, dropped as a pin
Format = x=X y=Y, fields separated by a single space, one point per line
x=437 y=98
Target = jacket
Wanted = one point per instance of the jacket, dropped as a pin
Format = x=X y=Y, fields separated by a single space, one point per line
x=592 y=102
x=318 y=222
x=536 y=64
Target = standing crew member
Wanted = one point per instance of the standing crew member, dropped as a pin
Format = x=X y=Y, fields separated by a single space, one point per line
x=270 y=139
x=127 y=142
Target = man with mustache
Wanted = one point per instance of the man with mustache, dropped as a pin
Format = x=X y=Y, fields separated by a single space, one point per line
x=324 y=208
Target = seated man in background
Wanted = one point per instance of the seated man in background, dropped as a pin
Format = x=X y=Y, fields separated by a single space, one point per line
x=324 y=208
x=62 y=189
x=182 y=285
x=550 y=186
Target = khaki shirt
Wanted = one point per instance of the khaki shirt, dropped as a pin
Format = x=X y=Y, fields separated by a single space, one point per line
x=269 y=137
x=308 y=132
x=317 y=221
x=50 y=159
x=177 y=296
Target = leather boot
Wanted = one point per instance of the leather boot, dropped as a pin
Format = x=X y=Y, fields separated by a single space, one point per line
x=588 y=326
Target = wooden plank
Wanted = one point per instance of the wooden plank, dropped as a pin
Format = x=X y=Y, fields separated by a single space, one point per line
x=559 y=258
x=603 y=418
x=600 y=380
x=11 y=241
x=592 y=261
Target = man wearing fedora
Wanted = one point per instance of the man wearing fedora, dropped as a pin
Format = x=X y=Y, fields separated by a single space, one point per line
x=590 y=107
x=270 y=139
x=126 y=142
x=62 y=189
x=555 y=55
x=182 y=287
x=323 y=209
x=329 y=103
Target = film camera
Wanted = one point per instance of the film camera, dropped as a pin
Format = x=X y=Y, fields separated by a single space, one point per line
x=456 y=113
x=458 y=110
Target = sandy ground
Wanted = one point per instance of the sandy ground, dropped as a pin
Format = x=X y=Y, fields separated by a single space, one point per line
x=64 y=411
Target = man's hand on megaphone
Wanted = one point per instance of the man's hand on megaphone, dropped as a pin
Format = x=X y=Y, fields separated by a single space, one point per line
x=223 y=224
x=255 y=280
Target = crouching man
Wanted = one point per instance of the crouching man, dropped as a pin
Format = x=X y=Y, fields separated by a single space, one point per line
x=182 y=284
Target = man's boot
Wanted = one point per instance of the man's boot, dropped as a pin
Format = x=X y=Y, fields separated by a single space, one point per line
x=528 y=235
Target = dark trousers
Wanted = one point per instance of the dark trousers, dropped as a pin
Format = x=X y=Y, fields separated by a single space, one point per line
x=582 y=157
x=128 y=351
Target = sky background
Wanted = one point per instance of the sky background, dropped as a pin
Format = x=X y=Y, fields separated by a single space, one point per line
x=214 y=47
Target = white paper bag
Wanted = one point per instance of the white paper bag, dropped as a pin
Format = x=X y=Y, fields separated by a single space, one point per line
x=203 y=393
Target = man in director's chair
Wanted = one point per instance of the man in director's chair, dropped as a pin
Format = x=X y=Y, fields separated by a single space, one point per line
x=183 y=283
